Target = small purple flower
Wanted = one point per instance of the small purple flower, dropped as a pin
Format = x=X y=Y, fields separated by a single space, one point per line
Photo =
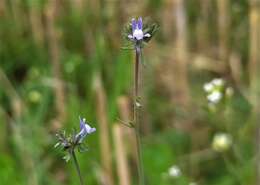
x=85 y=129
x=137 y=30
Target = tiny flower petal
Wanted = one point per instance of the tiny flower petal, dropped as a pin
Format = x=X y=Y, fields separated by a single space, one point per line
x=138 y=104
x=130 y=36
x=134 y=24
x=92 y=130
x=85 y=129
x=82 y=122
x=138 y=34
x=147 y=35
x=208 y=87
x=218 y=81
x=140 y=23
x=214 y=97
x=88 y=129
x=174 y=171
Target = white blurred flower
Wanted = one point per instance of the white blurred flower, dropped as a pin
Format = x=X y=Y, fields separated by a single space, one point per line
x=137 y=104
x=174 y=171
x=218 y=82
x=221 y=142
x=208 y=87
x=214 y=90
x=192 y=183
x=214 y=97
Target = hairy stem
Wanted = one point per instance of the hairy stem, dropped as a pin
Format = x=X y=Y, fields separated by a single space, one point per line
x=136 y=116
x=137 y=58
x=77 y=166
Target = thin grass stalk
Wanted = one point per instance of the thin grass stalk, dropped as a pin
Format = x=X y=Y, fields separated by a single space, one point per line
x=36 y=24
x=235 y=65
x=17 y=12
x=54 y=50
x=18 y=106
x=88 y=30
x=223 y=29
x=105 y=146
x=181 y=90
x=254 y=67
x=136 y=116
x=167 y=21
x=122 y=165
x=203 y=27
x=73 y=155
x=181 y=96
x=3 y=9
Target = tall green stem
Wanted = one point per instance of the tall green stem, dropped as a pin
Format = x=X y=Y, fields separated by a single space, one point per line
x=77 y=166
x=136 y=116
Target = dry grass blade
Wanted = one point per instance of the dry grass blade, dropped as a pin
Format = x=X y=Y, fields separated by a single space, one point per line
x=105 y=145
x=122 y=165
x=54 y=49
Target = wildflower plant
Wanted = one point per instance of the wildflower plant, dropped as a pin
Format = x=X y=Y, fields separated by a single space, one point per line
x=70 y=142
x=221 y=142
x=174 y=175
x=216 y=92
x=219 y=96
x=137 y=34
x=174 y=171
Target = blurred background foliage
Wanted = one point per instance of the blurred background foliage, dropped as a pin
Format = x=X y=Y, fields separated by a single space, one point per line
x=63 y=58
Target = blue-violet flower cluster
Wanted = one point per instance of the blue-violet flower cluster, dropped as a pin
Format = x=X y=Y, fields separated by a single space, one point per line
x=75 y=140
x=139 y=32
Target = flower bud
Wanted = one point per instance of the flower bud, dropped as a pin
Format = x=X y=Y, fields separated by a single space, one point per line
x=221 y=142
